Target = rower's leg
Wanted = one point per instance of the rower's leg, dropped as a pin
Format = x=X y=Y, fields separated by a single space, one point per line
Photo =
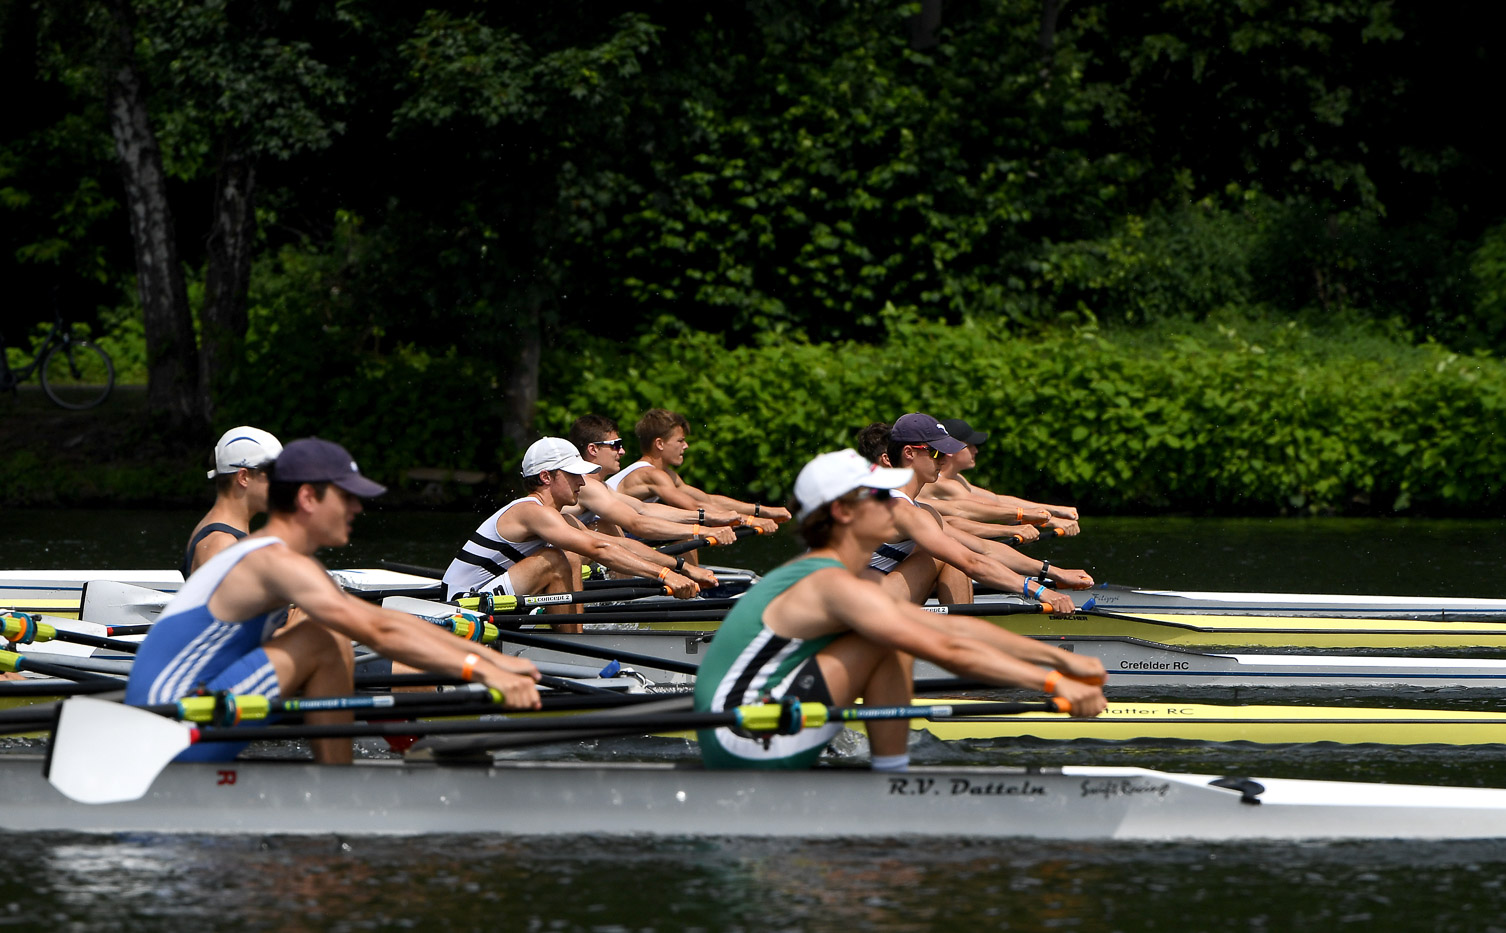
x=912 y=581
x=549 y=570
x=953 y=587
x=314 y=661
x=855 y=667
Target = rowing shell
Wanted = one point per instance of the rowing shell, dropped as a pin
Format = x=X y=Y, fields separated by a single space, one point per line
x=1133 y=665
x=552 y=798
x=61 y=591
x=1128 y=599
x=1260 y=724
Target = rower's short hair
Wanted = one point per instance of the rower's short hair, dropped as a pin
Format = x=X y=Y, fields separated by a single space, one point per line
x=224 y=482
x=873 y=441
x=657 y=423
x=591 y=429
x=282 y=496
x=815 y=529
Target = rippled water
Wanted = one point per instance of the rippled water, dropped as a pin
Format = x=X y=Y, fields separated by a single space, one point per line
x=576 y=883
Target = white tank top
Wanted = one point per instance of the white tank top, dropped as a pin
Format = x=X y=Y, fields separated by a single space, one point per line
x=615 y=481
x=486 y=555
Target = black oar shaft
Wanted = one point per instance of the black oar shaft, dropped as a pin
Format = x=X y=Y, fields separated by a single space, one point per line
x=690 y=606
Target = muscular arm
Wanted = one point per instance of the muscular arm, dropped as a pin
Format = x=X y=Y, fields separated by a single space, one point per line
x=213 y=543
x=674 y=491
x=278 y=575
x=968 y=647
x=549 y=525
x=926 y=530
x=1025 y=533
x=1024 y=564
x=631 y=515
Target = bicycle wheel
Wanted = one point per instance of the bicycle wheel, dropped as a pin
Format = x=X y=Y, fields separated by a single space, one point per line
x=77 y=375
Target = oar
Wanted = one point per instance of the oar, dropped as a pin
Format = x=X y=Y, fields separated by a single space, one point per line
x=22 y=629
x=487 y=603
x=15 y=663
x=49 y=663
x=700 y=541
x=105 y=752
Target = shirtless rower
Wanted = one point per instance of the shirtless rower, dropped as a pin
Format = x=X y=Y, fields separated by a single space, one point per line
x=608 y=511
x=653 y=478
x=956 y=498
x=813 y=630
x=221 y=630
x=241 y=459
x=529 y=547
x=925 y=555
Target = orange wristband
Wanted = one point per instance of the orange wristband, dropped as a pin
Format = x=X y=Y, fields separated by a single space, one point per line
x=664 y=572
x=1019 y=516
x=1052 y=679
x=468 y=666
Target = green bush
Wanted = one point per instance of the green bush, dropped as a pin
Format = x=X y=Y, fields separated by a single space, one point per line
x=1204 y=420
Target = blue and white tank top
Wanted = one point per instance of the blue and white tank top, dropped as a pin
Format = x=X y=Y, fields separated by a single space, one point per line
x=187 y=645
x=486 y=555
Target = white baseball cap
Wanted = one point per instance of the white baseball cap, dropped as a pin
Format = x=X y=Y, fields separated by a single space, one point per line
x=555 y=453
x=831 y=476
x=244 y=447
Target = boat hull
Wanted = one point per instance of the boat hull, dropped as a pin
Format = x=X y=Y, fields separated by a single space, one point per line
x=550 y=798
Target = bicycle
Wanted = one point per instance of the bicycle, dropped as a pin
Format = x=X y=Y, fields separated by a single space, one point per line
x=76 y=374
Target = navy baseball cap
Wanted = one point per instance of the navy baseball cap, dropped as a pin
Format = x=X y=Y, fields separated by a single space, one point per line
x=920 y=428
x=964 y=432
x=316 y=460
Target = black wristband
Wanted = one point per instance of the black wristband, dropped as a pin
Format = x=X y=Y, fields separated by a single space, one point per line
x=701 y=516
x=679 y=564
x=757 y=509
x=1045 y=566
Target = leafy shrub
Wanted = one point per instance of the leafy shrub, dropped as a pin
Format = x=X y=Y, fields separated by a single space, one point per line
x=1204 y=420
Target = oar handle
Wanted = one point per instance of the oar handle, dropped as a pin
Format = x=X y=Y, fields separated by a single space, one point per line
x=700 y=541
x=1043 y=535
x=998 y=609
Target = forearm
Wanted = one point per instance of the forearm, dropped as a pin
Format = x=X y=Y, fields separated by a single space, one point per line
x=620 y=555
x=980 y=529
x=973 y=659
x=654 y=528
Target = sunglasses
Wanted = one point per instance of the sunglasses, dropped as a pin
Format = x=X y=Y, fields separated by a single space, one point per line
x=935 y=454
x=869 y=493
x=615 y=445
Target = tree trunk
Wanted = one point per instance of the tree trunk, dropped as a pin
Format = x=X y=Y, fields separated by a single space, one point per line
x=924 y=24
x=520 y=382
x=1050 y=11
x=172 y=362
x=228 y=276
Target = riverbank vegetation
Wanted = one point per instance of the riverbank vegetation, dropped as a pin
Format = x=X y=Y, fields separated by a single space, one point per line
x=1196 y=256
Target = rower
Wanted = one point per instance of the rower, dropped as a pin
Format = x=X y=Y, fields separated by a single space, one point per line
x=240 y=493
x=529 y=547
x=925 y=555
x=604 y=509
x=960 y=502
x=223 y=630
x=814 y=630
x=654 y=478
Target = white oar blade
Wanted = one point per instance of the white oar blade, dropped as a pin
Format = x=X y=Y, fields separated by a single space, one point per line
x=105 y=752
